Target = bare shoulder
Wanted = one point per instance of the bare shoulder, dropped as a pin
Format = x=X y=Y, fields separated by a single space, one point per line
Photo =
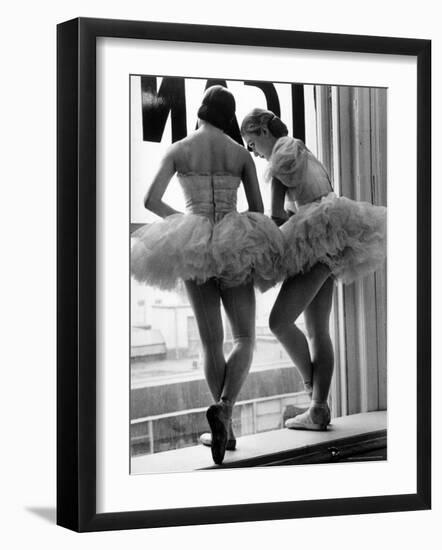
x=239 y=150
x=231 y=142
x=175 y=150
x=244 y=156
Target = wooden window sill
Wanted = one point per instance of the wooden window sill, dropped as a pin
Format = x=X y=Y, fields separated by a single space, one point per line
x=353 y=438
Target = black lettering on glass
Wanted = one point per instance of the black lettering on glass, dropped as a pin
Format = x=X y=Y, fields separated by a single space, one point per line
x=156 y=106
x=270 y=94
x=298 y=111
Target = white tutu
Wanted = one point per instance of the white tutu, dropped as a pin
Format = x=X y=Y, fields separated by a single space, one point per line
x=237 y=249
x=348 y=236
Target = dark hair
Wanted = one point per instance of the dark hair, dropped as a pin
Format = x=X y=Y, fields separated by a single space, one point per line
x=258 y=119
x=218 y=107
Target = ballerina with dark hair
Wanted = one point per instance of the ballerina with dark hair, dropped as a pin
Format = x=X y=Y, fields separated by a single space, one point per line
x=327 y=238
x=219 y=253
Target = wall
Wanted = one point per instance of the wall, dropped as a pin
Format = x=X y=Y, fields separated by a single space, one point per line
x=165 y=398
x=172 y=322
x=28 y=254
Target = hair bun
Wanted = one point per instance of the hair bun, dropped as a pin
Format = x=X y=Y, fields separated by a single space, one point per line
x=218 y=107
x=277 y=127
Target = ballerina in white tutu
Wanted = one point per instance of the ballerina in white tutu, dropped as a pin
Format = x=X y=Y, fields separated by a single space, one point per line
x=218 y=252
x=327 y=238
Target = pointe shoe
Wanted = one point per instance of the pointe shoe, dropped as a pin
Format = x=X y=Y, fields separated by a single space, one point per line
x=316 y=418
x=218 y=422
x=206 y=439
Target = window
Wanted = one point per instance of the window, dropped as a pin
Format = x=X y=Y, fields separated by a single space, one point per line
x=169 y=395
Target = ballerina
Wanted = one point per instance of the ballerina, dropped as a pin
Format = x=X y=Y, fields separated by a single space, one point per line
x=328 y=238
x=218 y=252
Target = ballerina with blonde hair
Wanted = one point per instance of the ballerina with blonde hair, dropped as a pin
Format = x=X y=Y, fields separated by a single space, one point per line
x=327 y=238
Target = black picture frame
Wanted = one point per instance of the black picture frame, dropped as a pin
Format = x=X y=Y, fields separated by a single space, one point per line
x=76 y=273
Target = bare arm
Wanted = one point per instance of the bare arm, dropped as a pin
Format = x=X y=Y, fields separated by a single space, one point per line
x=251 y=185
x=153 y=198
x=279 y=215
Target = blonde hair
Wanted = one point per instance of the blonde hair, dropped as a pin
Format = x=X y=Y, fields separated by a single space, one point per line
x=258 y=119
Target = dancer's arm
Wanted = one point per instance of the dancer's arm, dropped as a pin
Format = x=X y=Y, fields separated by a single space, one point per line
x=153 y=198
x=251 y=185
x=278 y=190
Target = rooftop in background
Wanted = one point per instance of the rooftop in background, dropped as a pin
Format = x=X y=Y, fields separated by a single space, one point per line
x=169 y=371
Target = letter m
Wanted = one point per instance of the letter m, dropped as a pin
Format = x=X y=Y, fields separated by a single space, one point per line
x=156 y=106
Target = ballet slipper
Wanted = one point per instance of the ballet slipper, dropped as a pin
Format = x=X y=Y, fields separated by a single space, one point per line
x=316 y=418
x=206 y=440
x=218 y=419
x=308 y=387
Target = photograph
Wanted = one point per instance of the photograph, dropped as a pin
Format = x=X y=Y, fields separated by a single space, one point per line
x=243 y=251
x=221 y=248
x=258 y=288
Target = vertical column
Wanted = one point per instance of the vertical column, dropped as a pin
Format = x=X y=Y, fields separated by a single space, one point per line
x=328 y=140
x=379 y=194
x=298 y=111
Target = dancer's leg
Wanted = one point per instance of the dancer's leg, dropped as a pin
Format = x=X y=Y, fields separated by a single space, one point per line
x=206 y=304
x=295 y=295
x=239 y=304
x=317 y=319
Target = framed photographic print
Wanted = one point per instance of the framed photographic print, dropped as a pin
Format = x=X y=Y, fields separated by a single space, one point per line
x=243 y=274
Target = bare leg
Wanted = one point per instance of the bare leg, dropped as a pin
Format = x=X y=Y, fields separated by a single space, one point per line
x=224 y=378
x=295 y=295
x=206 y=304
x=317 y=318
x=239 y=304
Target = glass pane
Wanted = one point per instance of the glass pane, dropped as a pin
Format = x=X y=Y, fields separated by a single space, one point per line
x=169 y=392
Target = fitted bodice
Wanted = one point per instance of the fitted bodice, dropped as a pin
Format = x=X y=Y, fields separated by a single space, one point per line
x=299 y=170
x=210 y=195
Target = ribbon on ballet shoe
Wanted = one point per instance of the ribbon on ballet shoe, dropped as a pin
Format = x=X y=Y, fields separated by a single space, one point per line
x=308 y=387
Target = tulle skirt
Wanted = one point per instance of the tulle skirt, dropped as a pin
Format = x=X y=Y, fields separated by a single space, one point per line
x=237 y=249
x=348 y=236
